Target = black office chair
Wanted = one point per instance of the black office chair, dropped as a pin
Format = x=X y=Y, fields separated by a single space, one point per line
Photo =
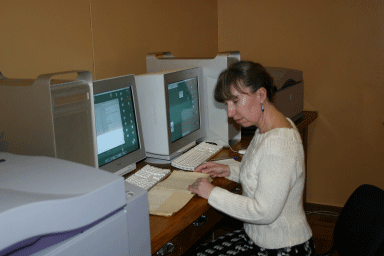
x=359 y=229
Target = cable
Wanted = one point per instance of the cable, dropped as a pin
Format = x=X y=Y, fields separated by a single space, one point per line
x=226 y=145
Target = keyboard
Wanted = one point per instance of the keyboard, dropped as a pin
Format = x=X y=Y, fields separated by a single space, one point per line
x=196 y=156
x=148 y=176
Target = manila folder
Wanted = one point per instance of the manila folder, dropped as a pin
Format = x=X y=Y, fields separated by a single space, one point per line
x=172 y=194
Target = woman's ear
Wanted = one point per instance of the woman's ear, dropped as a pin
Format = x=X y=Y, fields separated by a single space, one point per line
x=261 y=94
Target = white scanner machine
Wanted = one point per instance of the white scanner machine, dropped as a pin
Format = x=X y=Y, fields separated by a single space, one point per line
x=50 y=206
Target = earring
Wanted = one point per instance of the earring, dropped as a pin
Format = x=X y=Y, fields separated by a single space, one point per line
x=262 y=108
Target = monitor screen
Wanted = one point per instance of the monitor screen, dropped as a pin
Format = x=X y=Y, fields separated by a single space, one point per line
x=117 y=123
x=183 y=108
x=116 y=129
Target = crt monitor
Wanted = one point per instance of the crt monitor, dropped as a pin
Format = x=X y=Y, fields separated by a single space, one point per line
x=119 y=136
x=170 y=107
x=215 y=113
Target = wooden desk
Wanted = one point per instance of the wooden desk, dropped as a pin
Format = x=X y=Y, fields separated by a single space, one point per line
x=179 y=228
x=302 y=125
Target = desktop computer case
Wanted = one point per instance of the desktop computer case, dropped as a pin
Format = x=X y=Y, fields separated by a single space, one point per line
x=289 y=98
x=218 y=127
x=49 y=117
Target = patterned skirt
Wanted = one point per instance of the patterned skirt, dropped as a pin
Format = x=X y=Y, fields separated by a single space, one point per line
x=238 y=243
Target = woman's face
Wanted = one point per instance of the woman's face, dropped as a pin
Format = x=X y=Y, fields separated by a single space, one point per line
x=245 y=109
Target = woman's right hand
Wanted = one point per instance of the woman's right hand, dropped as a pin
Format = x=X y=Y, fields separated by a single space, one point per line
x=214 y=169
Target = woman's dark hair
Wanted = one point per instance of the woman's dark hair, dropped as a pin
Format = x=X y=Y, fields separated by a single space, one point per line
x=244 y=73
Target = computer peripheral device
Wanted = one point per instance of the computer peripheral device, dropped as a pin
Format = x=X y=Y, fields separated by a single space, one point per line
x=225 y=158
x=148 y=176
x=215 y=113
x=51 y=206
x=241 y=151
x=196 y=156
x=171 y=112
x=119 y=136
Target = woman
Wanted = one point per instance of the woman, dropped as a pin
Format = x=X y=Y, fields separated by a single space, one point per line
x=271 y=173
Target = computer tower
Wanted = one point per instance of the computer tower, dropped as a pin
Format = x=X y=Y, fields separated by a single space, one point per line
x=47 y=117
x=289 y=98
x=218 y=127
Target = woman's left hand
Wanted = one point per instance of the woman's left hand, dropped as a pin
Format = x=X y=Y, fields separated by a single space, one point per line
x=201 y=187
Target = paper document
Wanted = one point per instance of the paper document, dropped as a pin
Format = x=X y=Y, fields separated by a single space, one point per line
x=172 y=194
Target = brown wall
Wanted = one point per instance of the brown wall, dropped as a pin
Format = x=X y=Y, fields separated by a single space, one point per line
x=339 y=45
x=108 y=38
x=126 y=31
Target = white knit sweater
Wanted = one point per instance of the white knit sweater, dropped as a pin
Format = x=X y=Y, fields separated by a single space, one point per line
x=272 y=175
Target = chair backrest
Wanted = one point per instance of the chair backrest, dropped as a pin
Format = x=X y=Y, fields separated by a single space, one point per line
x=359 y=229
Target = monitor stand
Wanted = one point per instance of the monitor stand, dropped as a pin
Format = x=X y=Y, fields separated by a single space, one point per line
x=163 y=159
x=125 y=170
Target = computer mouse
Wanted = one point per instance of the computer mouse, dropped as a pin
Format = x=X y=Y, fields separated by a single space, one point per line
x=241 y=151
